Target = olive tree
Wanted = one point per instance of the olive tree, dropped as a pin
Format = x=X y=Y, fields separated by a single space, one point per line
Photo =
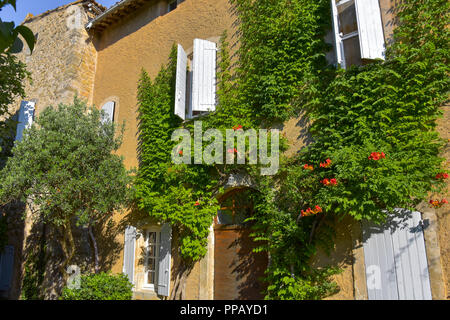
x=66 y=170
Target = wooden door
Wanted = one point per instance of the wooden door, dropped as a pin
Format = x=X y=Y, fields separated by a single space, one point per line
x=237 y=269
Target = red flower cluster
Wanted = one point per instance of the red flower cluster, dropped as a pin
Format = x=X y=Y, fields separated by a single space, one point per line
x=377 y=156
x=180 y=152
x=232 y=150
x=310 y=212
x=327 y=182
x=237 y=127
x=308 y=167
x=442 y=175
x=437 y=203
x=325 y=164
x=197 y=203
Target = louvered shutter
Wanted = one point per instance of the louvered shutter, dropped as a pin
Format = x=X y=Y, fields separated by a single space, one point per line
x=370 y=29
x=180 y=86
x=109 y=111
x=204 y=76
x=395 y=253
x=26 y=115
x=6 y=267
x=129 y=252
x=164 y=260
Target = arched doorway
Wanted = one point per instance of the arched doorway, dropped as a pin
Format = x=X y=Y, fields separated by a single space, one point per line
x=237 y=270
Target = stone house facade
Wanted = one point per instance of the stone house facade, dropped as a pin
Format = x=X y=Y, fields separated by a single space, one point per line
x=102 y=60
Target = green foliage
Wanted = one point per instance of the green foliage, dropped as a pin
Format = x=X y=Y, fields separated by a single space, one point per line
x=281 y=48
x=13 y=74
x=101 y=286
x=166 y=191
x=65 y=165
x=314 y=286
x=386 y=106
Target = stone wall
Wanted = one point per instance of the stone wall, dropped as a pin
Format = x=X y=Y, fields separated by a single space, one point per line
x=63 y=61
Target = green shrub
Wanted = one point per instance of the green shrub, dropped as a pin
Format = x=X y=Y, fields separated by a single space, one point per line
x=102 y=286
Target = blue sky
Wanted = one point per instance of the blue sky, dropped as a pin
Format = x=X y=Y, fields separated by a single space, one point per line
x=36 y=7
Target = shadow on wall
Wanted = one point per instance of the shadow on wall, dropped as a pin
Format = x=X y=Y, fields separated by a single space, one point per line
x=237 y=270
x=131 y=23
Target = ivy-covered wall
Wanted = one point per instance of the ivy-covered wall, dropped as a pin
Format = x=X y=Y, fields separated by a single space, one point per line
x=372 y=140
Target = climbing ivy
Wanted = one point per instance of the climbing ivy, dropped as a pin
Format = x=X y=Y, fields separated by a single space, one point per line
x=178 y=194
x=373 y=130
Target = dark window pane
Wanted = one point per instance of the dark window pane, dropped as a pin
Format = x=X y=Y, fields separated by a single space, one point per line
x=172 y=6
x=224 y=217
x=241 y=215
x=347 y=18
x=352 y=52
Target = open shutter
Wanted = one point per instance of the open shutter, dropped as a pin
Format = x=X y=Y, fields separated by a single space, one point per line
x=180 y=87
x=204 y=76
x=109 y=111
x=410 y=258
x=129 y=252
x=380 y=263
x=164 y=260
x=6 y=268
x=26 y=114
x=337 y=39
x=370 y=28
x=395 y=259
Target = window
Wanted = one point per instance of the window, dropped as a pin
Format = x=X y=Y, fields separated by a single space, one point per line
x=26 y=117
x=196 y=89
x=358 y=31
x=152 y=248
x=108 y=109
x=235 y=207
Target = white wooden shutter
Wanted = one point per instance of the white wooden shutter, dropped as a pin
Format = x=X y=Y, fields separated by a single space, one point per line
x=204 y=76
x=380 y=263
x=395 y=253
x=180 y=87
x=6 y=267
x=410 y=258
x=26 y=114
x=337 y=39
x=109 y=111
x=370 y=29
x=164 y=260
x=129 y=252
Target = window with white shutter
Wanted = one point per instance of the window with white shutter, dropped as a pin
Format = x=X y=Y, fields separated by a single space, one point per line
x=129 y=252
x=395 y=258
x=196 y=90
x=204 y=76
x=109 y=108
x=358 y=31
x=180 y=86
x=26 y=116
x=165 y=250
